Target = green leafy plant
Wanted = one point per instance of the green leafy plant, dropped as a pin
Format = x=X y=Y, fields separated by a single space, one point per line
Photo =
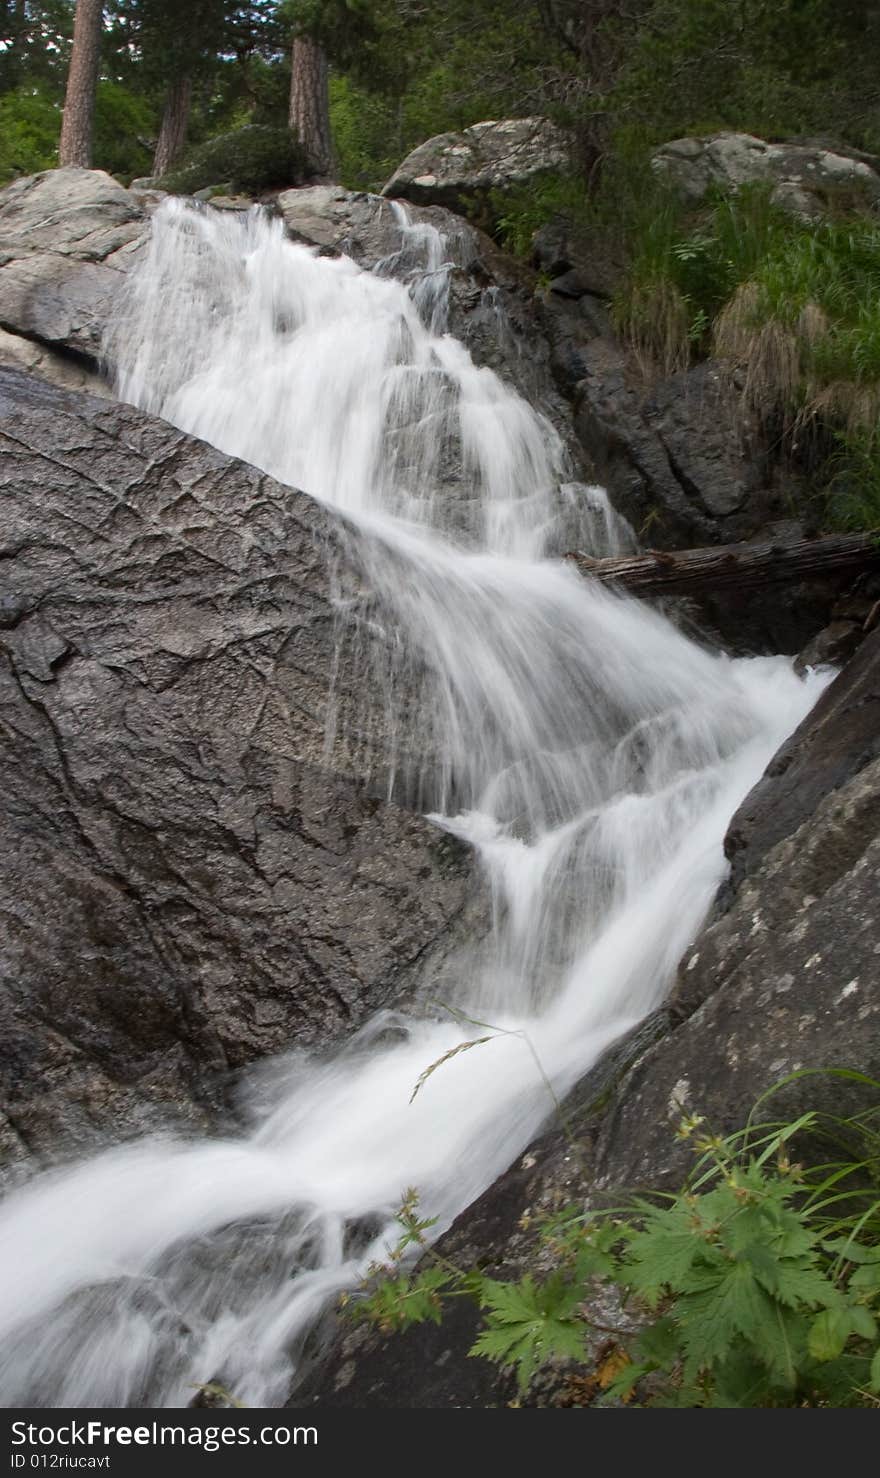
x=758 y=1284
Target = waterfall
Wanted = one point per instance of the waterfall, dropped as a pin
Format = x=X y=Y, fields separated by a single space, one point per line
x=589 y=753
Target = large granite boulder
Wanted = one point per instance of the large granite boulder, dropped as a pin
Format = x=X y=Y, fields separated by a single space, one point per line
x=785 y=975
x=194 y=877
x=461 y=170
x=806 y=179
x=65 y=237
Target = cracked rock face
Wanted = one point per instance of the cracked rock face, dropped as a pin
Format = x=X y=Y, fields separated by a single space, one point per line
x=194 y=877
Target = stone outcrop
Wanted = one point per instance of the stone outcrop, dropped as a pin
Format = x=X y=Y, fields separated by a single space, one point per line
x=69 y=372
x=193 y=878
x=805 y=179
x=784 y=976
x=461 y=170
x=65 y=237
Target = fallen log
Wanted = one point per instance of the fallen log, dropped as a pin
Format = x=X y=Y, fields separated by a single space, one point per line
x=746 y=566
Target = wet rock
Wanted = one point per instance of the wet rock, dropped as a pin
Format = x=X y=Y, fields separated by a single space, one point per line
x=806 y=179
x=340 y=221
x=194 y=878
x=833 y=645
x=837 y=739
x=674 y=453
x=460 y=170
x=552 y=252
x=786 y=979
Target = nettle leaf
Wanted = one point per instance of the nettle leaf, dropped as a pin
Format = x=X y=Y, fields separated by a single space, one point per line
x=663 y=1254
x=529 y=1323
x=831 y=1330
x=791 y=1282
x=739 y=1380
x=597 y=1251
x=793 y=1239
x=783 y=1345
x=863 y=1322
x=660 y=1344
x=866 y=1279
x=874 y=1377
x=751 y=1225
x=733 y=1304
x=707 y=1319
x=829 y=1333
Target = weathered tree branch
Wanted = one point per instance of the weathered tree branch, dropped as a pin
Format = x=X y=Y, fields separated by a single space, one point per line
x=747 y=566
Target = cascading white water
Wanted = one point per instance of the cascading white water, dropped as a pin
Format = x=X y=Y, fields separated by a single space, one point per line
x=594 y=754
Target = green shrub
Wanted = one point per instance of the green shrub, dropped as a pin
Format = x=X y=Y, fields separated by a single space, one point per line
x=366 y=135
x=248 y=159
x=683 y=270
x=853 y=491
x=125 y=123
x=30 y=123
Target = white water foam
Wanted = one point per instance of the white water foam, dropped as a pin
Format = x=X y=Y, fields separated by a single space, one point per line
x=595 y=756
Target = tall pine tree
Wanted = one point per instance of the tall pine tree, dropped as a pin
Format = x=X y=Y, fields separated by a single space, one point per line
x=78 y=122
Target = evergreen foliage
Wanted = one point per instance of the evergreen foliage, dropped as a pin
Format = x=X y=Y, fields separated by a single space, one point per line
x=248 y=159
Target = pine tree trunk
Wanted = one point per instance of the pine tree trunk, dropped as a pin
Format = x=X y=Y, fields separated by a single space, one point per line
x=310 y=105
x=82 y=79
x=175 y=121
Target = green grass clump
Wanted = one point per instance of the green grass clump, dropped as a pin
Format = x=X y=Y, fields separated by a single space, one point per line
x=695 y=264
x=791 y=307
x=516 y=214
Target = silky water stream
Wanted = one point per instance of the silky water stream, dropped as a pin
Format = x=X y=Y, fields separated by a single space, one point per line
x=589 y=753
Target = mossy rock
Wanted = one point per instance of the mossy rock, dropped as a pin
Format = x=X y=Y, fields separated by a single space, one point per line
x=248 y=159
